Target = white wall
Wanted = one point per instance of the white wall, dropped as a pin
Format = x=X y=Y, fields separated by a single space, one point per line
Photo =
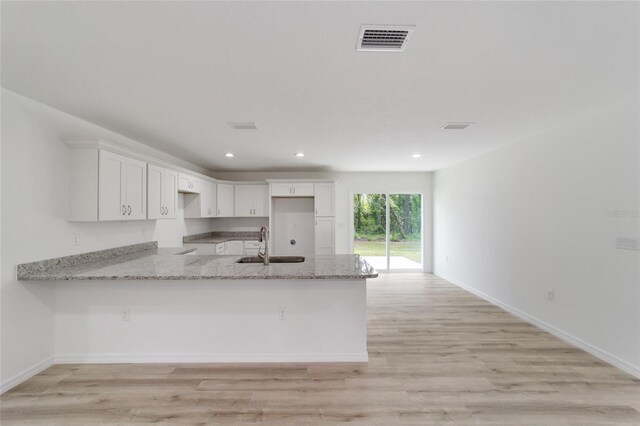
x=532 y=217
x=351 y=183
x=34 y=228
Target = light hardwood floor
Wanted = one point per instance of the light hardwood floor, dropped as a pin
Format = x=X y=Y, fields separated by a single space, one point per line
x=438 y=355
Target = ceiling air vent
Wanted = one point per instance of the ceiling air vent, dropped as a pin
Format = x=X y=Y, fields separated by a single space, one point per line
x=243 y=125
x=456 y=126
x=385 y=38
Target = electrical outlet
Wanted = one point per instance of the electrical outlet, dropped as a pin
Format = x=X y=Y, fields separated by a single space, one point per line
x=282 y=315
x=126 y=315
x=551 y=295
x=76 y=240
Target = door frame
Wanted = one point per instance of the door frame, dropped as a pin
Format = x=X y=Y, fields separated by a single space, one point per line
x=352 y=230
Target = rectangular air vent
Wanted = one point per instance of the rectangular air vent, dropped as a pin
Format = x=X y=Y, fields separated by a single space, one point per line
x=385 y=38
x=456 y=126
x=243 y=125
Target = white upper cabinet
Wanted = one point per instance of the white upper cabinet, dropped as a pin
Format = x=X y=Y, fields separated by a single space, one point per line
x=301 y=189
x=225 y=201
x=261 y=200
x=170 y=194
x=243 y=200
x=325 y=235
x=162 y=193
x=251 y=200
x=324 y=199
x=112 y=186
x=136 y=189
x=122 y=187
x=202 y=204
x=188 y=184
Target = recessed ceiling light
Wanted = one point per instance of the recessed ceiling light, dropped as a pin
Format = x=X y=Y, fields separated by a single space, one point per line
x=417 y=155
x=243 y=125
x=457 y=126
x=299 y=154
x=228 y=154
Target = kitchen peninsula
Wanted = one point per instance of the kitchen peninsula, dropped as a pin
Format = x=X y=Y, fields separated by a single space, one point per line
x=142 y=303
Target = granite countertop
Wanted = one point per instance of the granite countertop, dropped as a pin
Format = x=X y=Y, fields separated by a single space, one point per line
x=147 y=262
x=221 y=237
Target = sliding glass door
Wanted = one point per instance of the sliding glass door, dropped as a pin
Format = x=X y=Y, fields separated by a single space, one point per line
x=388 y=230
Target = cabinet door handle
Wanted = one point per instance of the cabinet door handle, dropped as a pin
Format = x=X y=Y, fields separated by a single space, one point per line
x=129 y=211
x=124 y=210
x=294 y=190
x=316 y=210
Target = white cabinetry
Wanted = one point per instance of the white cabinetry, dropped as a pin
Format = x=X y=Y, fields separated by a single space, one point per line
x=251 y=248
x=202 y=204
x=325 y=235
x=301 y=189
x=251 y=200
x=234 y=248
x=324 y=199
x=201 y=249
x=225 y=200
x=122 y=187
x=188 y=183
x=105 y=186
x=162 y=193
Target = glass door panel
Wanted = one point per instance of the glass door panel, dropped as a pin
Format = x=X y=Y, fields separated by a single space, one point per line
x=370 y=228
x=405 y=231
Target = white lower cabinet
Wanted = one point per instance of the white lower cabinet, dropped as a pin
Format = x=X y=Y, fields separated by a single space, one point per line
x=325 y=235
x=220 y=248
x=251 y=248
x=234 y=248
x=201 y=249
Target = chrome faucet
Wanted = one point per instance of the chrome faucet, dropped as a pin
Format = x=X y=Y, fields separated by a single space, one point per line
x=264 y=238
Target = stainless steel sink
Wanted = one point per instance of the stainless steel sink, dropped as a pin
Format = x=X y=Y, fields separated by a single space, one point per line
x=272 y=259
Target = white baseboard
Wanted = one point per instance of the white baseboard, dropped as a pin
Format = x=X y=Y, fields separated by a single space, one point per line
x=25 y=375
x=569 y=338
x=210 y=358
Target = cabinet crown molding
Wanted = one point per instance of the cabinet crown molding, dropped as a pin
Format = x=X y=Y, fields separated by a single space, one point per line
x=131 y=153
x=302 y=180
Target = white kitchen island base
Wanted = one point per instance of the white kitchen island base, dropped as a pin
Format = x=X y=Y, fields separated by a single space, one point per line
x=147 y=321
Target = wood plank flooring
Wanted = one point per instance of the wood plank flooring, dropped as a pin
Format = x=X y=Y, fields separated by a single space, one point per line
x=438 y=355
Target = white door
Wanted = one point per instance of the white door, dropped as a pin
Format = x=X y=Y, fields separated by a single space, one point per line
x=136 y=189
x=261 y=200
x=243 y=200
x=225 y=200
x=155 y=192
x=325 y=236
x=324 y=199
x=111 y=186
x=170 y=199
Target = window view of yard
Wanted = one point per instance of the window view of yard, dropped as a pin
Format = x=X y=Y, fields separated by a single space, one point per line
x=405 y=214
